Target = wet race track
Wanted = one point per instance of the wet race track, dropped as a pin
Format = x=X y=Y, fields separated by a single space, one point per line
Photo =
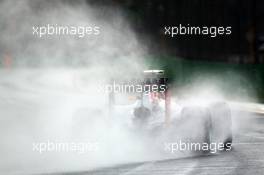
x=29 y=100
x=247 y=157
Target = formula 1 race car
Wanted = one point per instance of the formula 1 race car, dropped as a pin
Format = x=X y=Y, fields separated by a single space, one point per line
x=149 y=105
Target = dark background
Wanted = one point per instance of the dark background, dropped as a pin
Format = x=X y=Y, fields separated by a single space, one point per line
x=186 y=57
x=245 y=16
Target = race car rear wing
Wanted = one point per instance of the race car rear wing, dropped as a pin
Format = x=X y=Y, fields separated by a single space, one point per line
x=152 y=81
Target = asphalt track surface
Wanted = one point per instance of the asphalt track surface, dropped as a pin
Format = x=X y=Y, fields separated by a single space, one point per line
x=18 y=93
x=247 y=157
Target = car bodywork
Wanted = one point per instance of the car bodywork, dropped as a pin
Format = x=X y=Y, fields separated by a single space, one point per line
x=152 y=109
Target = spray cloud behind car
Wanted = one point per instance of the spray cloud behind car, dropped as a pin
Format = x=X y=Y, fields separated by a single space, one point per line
x=50 y=94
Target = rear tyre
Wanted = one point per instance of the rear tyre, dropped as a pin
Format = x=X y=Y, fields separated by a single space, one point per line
x=222 y=124
x=228 y=144
x=141 y=115
x=198 y=126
